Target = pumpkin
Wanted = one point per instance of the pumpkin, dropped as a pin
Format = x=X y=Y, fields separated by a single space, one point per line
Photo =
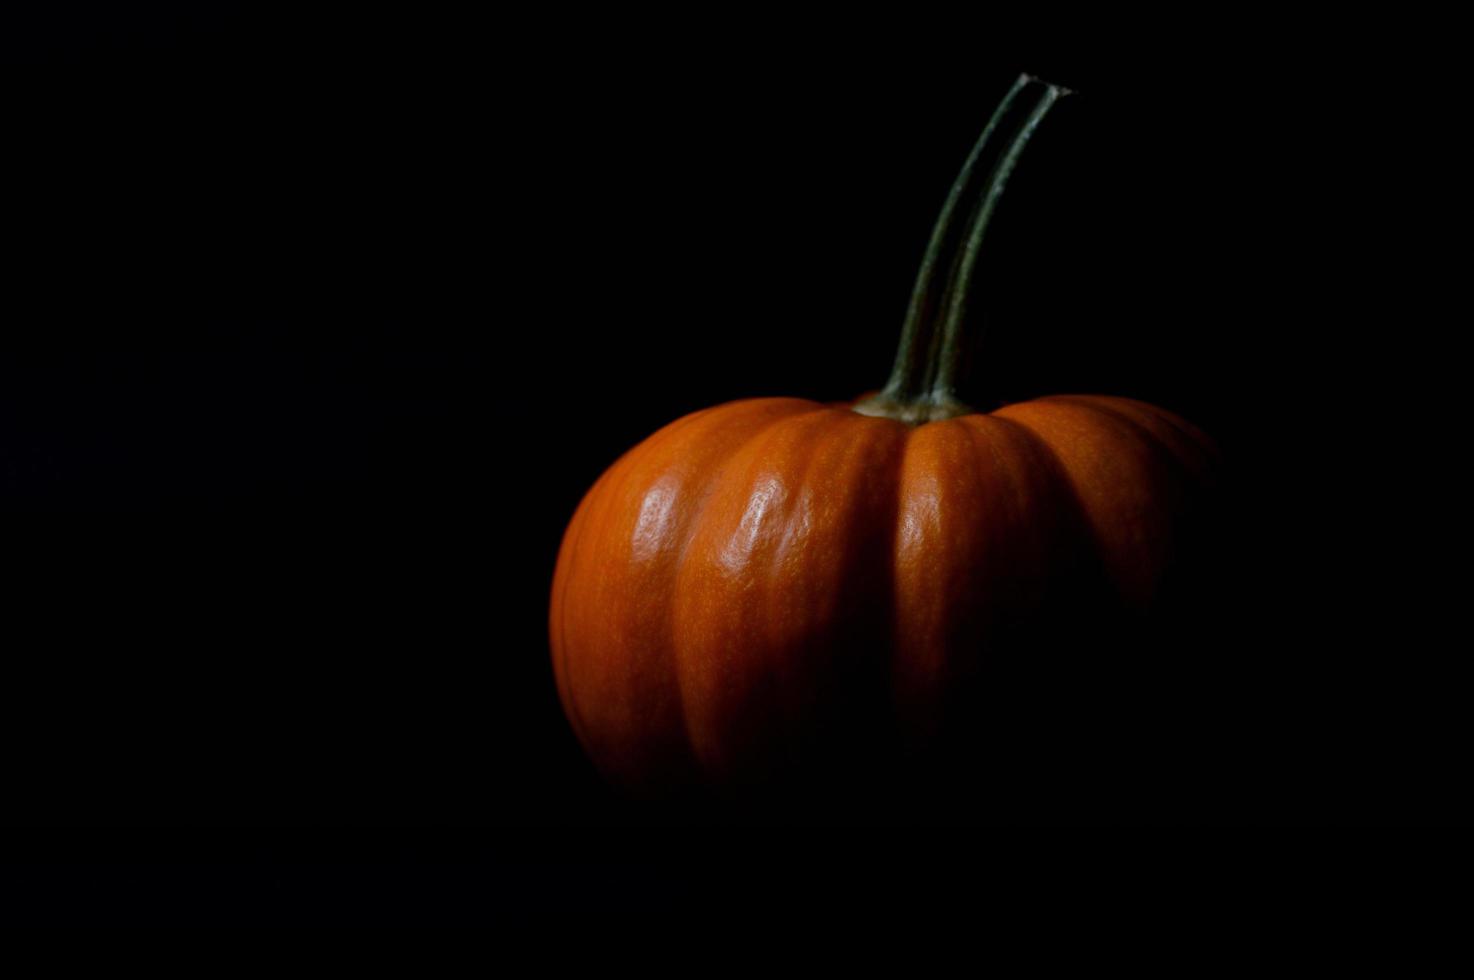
x=775 y=587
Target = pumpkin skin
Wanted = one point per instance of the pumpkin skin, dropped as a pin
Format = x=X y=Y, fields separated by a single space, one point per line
x=769 y=588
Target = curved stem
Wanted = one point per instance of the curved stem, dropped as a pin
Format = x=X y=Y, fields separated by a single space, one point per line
x=923 y=382
x=908 y=378
x=949 y=357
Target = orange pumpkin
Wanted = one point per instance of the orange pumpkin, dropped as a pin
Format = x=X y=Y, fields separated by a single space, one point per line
x=773 y=586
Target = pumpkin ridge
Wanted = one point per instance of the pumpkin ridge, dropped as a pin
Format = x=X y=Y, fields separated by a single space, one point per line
x=858 y=439
x=907 y=688
x=1135 y=532
x=1008 y=470
x=1157 y=447
x=598 y=499
x=759 y=448
x=728 y=427
x=1196 y=435
x=573 y=537
x=777 y=689
x=1196 y=446
x=718 y=468
x=690 y=533
x=601 y=498
x=1078 y=518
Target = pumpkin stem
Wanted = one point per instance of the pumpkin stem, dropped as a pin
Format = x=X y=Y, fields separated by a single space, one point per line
x=949 y=358
x=908 y=378
x=923 y=383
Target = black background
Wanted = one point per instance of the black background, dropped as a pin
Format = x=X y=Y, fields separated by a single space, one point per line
x=317 y=326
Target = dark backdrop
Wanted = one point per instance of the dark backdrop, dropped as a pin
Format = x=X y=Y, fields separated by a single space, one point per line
x=316 y=328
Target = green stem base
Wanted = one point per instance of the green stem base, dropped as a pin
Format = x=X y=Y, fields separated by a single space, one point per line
x=932 y=407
